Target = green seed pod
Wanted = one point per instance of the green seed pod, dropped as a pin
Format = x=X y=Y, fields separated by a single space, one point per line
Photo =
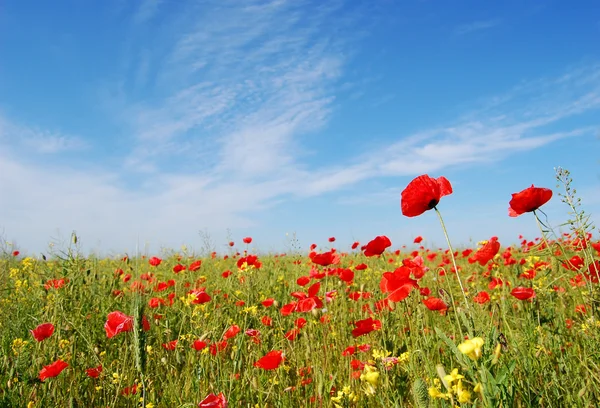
x=420 y=393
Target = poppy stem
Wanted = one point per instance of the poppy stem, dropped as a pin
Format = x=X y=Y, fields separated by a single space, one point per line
x=539 y=224
x=462 y=289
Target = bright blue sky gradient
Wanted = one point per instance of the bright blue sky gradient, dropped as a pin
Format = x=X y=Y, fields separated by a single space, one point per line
x=148 y=121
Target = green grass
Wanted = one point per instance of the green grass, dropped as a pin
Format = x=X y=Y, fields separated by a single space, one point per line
x=549 y=353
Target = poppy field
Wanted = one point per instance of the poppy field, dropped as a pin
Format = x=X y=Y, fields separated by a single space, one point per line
x=377 y=324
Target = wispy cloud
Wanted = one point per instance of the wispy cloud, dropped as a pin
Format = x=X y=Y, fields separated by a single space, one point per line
x=244 y=80
x=37 y=140
x=146 y=10
x=476 y=26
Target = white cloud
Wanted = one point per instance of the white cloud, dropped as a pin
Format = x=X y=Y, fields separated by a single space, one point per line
x=35 y=140
x=244 y=80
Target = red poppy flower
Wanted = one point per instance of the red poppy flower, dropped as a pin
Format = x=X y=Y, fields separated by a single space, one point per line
x=199 y=345
x=350 y=350
x=418 y=240
x=252 y=333
x=435 y=304
x=131 y=390
x=481 y=298
x=213 y=401
x=178 y=268
x=398 y=284
x=247 y=240
x=377 y=246
x=94 y=372
x=528 y=200
x=43 y=331
x=292 y=334
x=522 y=293
x=231 y=332
x=574 y=264
x=331 y=239
x=172 y=345
x=303 y=280
x=52 y=370
x=487 y=252
x=355 y=244
x=217 y=347
x=154 y=261
x=194 y=266
x=346 y=275
x=270 y=361
x=118 y=322
x=231 y=243
x=268 y=302
x=300 y=322
x=201 y=296
x=365 y=326
x=423 y=193
x=15 y=253
x=325 y=258
x=266 y=320
x=55 y=283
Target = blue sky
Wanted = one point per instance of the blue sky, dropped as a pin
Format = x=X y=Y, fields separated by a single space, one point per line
x=144 y=122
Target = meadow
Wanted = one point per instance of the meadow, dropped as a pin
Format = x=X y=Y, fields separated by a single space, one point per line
x=379 y=324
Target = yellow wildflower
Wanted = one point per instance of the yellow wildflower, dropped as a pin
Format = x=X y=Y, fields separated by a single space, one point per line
x=436 y=393
x=453 y=376
x=370 y=375
x=472 y=348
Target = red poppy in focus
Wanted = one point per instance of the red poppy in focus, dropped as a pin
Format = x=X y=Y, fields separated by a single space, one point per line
x=377 y=246
x=94 y=372
x=326 y=258
x=118 y=322
x=365 y=326
x=52 y=370
x=522 y=293
x=398 y=284
x=270 y=361
x=213 y=401
x=154 y=261
x=435 y=304
x=199 y=345
x=423 y=193
x=43 y=331
x=247 y=240
x=488 y=251
x=528 y=200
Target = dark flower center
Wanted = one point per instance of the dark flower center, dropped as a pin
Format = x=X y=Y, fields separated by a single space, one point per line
x=432 y=203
